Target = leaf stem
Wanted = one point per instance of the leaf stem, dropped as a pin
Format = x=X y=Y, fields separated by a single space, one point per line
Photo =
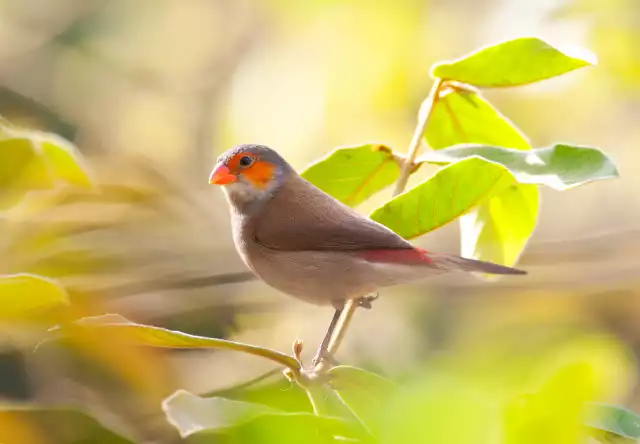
x=423 y=118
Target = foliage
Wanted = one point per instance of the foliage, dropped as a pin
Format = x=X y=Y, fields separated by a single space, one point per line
x=513 y=63
x=59 y=425
x=355 y=173
x=488 y=177
x=457 y=114
x=448 y=194
x=25 y=294
x=34 y=161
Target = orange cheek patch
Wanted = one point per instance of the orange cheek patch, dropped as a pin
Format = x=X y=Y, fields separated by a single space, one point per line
x=234 y=162
x=260 y=174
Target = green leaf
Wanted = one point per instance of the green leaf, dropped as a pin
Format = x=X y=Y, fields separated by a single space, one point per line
x=463 y=116
x=353 y=174
x=608 y=420
x=560 y=166
x=279 y=394
x=54 y=426
x=366 y=394
x=190 y=414
x=448 y=194
x=24 y=294
x=552 y=414
x=499 y=229
x=64 y=162
x=247 y=422
x=512 y=63
x=296 y=428
x=147 y=335
x=21 y=171
x=440 y=409
x=32 y=161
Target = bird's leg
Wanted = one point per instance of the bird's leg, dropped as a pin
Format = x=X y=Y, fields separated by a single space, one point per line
x=365 y=301
x=323 y=353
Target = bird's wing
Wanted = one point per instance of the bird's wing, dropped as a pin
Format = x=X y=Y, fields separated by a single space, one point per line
x=300 y=216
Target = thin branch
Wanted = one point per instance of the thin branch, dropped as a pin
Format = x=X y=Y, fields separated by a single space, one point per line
x=425 y=113
x=177 y=283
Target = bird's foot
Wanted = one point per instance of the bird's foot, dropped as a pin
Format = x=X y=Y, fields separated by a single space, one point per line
x=365 y=302
x=323 y=356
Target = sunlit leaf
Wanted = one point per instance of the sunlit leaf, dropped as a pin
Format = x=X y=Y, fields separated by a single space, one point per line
x=606 y=420
x=247 y=422
x=21 y=171
x=276 y=392
x=512 y=63
x=441 y=410
x=23 y=294
x=296 y=428
x=147 y=335
x=463 y=116
x=190 y=414
x=448 y=194
x=118 y=361
x=33 y=160
x=58 y=425
x=365 y=393
x=64 y=162
x=353 y=174
x=553 y=414
x=560 y=166
x=488 y=231
x=499 y=229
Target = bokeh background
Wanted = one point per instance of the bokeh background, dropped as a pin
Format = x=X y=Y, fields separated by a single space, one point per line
x=151 y=91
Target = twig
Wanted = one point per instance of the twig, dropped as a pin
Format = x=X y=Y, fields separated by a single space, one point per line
x=423 y=118
x=425 y=113
x=177 y=283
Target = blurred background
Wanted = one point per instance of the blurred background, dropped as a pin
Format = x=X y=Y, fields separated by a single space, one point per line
x=151 y=91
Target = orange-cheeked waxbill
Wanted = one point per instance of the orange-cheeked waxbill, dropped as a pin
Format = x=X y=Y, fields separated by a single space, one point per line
x=305 y=243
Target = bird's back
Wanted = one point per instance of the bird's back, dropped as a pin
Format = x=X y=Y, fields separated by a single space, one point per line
x=300 y=216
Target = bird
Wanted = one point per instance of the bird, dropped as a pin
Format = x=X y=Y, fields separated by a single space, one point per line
x=305 y=243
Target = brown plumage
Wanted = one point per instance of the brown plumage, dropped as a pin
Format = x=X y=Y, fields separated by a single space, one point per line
x=305 y=243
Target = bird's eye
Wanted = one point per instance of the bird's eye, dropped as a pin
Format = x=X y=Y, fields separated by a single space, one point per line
x=245 y=161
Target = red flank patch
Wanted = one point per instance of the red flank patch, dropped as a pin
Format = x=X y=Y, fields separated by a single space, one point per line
x=408 y=256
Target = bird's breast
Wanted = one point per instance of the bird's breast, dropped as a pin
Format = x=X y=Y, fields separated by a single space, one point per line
x=241 y=231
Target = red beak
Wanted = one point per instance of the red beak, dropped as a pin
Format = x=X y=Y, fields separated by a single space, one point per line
x=221 y=175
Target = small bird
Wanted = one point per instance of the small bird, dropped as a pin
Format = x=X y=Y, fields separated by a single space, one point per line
x=305 y=243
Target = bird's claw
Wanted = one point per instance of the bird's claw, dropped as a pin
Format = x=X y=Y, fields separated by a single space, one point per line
x=365 y=301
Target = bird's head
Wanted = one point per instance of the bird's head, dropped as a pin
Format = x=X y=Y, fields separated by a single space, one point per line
x=249 y=173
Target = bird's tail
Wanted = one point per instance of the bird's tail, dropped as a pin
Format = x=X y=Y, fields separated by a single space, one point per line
x=449 y=262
